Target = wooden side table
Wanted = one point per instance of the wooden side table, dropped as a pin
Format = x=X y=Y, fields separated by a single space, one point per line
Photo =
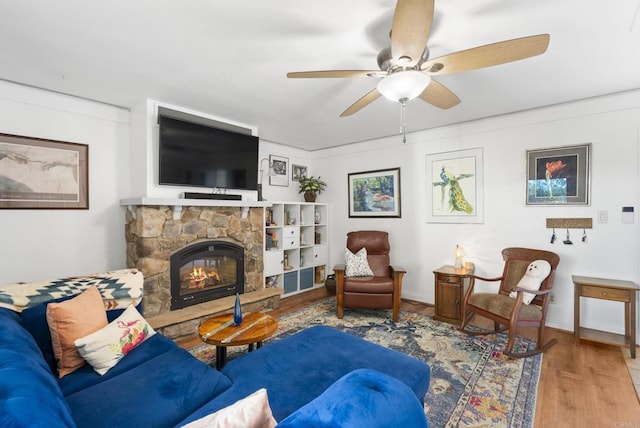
x=451 y=284
x=221 y=332
x=606 y=289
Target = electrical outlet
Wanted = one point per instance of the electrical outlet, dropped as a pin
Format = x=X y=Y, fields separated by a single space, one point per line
x=552 y=298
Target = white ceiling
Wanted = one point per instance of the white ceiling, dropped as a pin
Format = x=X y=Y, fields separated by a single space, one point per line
x=229 y=58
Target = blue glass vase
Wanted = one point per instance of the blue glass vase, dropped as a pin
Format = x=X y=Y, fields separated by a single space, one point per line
x=237 y=311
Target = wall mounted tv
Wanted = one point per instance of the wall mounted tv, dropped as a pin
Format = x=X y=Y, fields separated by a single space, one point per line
x=193 y=154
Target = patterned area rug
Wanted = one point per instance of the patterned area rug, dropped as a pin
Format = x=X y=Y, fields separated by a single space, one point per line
x=473 y=384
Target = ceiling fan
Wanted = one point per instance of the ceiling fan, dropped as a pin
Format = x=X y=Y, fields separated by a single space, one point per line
x=407 y=71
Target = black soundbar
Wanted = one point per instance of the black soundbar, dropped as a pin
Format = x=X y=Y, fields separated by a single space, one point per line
x=217 y=196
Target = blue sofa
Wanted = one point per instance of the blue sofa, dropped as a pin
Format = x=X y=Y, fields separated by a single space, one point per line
x=319 y=377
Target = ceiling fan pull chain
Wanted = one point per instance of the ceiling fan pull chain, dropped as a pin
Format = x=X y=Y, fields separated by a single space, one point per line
x=403 y=120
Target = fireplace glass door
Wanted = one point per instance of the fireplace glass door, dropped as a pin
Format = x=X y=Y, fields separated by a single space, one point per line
x=206 y=271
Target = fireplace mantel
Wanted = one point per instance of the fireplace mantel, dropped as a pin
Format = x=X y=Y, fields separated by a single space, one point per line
x=178 y=203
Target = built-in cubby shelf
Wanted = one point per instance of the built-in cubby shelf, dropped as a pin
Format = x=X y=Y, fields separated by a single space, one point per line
x=296 y=251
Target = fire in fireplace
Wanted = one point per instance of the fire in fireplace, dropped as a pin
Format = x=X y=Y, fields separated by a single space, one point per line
x=206 y=271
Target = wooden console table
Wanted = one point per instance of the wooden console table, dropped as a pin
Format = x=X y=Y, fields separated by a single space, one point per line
x=606 y=289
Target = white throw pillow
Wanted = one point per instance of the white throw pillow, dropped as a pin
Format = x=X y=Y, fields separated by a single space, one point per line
x=104 y=348
x=357 y=264
x=536 y=272
x=250 y=412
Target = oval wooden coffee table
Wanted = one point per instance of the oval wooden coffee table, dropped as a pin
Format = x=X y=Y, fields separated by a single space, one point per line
x=221 y=332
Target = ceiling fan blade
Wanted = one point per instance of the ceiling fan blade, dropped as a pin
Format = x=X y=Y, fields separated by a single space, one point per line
x=439 y=95
x=367 y=99
x=488 y=55
x=335 y=73
x=410 y=30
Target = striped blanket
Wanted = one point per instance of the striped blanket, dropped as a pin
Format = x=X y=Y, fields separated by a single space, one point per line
x=119 y=289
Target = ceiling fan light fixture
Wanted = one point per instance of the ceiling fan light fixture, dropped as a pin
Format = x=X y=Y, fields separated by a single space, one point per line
x=407 y=84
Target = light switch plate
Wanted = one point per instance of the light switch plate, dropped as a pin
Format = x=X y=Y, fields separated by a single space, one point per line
x=603 y=216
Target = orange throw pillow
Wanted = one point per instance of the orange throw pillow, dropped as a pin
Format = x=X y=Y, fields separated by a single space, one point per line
x=71 y=320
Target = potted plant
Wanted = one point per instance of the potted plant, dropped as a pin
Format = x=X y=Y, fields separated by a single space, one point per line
x=311 y=187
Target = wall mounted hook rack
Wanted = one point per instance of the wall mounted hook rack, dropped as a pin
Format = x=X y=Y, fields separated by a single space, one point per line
x=570 y=223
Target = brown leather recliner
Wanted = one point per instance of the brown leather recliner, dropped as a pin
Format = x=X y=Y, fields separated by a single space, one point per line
x=380 y=291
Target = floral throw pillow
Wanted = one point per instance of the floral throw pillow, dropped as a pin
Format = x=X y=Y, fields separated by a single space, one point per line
x=104 y=348
x=357 y=264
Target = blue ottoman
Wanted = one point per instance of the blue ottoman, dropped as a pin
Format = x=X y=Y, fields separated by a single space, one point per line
x=299 y=368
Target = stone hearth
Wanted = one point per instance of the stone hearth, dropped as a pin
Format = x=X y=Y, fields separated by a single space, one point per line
x=153 y=233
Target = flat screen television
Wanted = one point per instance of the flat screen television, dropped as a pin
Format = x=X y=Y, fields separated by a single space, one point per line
x=192 y=154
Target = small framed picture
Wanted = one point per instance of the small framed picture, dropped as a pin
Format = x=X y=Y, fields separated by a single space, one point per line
x=281 y=168
x=298 y=171
x=559 y=176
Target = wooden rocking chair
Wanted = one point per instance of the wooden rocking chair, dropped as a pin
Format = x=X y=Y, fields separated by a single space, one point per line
x=510 y=313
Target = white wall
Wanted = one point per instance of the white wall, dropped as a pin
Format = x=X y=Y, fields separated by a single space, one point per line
x=295 y=157
x=612 y=250
x=42 y=244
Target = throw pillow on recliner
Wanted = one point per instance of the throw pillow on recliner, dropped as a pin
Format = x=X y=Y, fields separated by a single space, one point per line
x=357 y=264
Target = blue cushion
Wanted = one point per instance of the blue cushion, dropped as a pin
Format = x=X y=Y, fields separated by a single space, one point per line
x=159 y=392
x=85 y=376
x=297 y=369
x=35 y=321
x=29 y=392
x=361 y=399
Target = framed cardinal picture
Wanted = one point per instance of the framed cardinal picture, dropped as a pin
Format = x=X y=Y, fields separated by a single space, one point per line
x=559 y=176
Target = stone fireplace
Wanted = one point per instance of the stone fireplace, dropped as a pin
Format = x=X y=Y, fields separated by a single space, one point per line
x=155 y=233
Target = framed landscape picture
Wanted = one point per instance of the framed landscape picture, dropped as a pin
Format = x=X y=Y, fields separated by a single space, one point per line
x=559 y=176
x=375 y=193
x=43 y=174
x=454 y=182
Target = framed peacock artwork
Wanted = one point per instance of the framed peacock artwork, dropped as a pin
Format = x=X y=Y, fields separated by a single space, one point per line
x=454 y=184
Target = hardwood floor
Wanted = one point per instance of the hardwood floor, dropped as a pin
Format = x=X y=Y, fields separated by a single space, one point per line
x=585 y=385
